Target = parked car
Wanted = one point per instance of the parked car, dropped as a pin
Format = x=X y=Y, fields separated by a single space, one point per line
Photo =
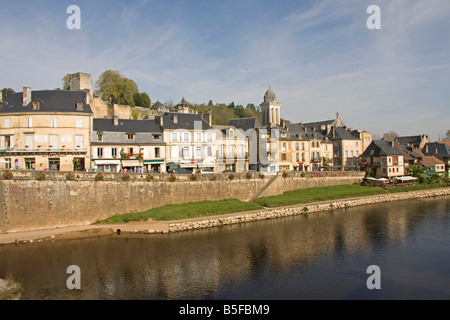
x=181 y=171
x=93 y=170
x=228 y=171
x=206 y=171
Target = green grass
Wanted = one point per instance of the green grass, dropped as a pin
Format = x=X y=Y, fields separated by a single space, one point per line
x=317 y=194
x=289 y=198
x=186 y=211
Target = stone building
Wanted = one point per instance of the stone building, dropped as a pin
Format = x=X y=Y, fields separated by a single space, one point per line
x=190 y=141
x=383 y=160
x=232 y=149
x=46 y=130
x=131 y=145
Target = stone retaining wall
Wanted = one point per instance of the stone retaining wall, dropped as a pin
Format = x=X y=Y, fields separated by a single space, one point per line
x=304 y=209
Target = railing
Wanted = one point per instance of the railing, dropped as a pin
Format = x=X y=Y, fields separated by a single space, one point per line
x=41 y=150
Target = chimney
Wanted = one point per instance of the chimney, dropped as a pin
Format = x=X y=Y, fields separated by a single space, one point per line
x=175 y=118
x=207 y=118
x=161 y=121
x=116 y=120
x=87 y=95
x=26 y=96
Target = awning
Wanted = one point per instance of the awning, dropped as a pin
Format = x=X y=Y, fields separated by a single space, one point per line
x=131 y=163
x=172 y=165
x=102 y=162
x=154 y=161
x=406 y=178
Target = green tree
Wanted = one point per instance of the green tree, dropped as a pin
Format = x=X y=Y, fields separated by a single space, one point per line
x=447 y=135
x=144 y=100
x=66 y=81
x=390 y=136
x=112 y=87
x=6 y=92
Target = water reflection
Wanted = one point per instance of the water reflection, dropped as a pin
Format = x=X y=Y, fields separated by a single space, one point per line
x=320 y=255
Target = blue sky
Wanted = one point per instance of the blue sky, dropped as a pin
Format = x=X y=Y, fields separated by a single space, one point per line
x=318 y=56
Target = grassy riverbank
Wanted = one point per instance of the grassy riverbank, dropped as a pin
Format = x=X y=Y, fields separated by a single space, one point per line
x=289 y=198
x=187 y=210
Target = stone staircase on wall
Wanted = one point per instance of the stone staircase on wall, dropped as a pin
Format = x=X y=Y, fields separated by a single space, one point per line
x=264 y=188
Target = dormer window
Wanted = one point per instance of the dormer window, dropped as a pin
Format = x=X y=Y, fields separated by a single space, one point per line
x=35 y=105
x=79 y=106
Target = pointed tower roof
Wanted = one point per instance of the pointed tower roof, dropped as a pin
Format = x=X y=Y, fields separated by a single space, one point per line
x=270 y=96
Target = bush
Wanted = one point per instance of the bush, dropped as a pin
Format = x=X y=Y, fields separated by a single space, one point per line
x=231 y=176
x=248 y=175
x=125 y=177
x=193 y=177
x=70 y=176
x=99 y=177
x=40 y=176
x=172 y=178
x=213 y=178
x=284 y=174
x=149 y=177
x=303 y=174
x=8 y=175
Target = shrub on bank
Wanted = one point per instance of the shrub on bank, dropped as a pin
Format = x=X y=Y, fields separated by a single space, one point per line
x=149 y=177
x=40 y=176
x=8 y=175
x=70 y=176
x=99 y=177
x=125 y=177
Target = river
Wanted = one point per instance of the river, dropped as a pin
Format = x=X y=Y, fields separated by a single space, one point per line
x=314 y=256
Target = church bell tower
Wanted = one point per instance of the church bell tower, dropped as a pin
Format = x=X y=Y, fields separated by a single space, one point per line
x=270 y=109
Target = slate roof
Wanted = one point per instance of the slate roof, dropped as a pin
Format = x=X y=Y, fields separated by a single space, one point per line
x=126 y=125
x=342 y=133
x=381 y=148
x=49 y=101
x=409 y=140
x=440 y=150
x=246 y=123
x=186 y=121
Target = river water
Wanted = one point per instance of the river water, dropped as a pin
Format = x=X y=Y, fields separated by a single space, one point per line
x=314 y=256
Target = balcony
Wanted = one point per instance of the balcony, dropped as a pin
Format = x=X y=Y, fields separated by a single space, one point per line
x=41 y=150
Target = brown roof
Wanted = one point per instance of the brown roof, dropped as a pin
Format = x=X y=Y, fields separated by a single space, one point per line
x=431 y=161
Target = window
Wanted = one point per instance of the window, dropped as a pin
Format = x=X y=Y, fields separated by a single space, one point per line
x=208 y=137
x=283 y=146
x=29 y=123
x=79 y=123
x=198 y=137
x=241 y=151
x=186 y=137
x=297 y=157
x=53 y=142
x=283 y=157
x=297 y=146
x=209 y=151
x=29 y=142
x=156 y=137
x=7 y=123
x=30 y=163
x=157 y=153
x=114 y=152
x=173 y=137
x=7 y=163
x=35 y=105
x=303 y=157
x=130 y=136
x=100 y=137
x=198 y=152
x=79 y=142
x=53 y=164
x=53 y=123
x=185 y=153
x=100 y=152
x=79 y=106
